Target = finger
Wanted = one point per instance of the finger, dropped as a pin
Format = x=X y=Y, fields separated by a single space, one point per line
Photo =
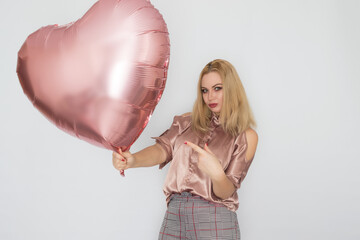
x=125 y=154
x=195 y=147
x=121 y=155
x=206 y=147
x=115 y=158
x=116 y=155
x=120 y=165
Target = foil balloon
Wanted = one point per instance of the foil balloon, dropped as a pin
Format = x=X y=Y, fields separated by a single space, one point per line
x=101 y=77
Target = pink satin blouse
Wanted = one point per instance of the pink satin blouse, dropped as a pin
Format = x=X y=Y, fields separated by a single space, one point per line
x=184 y=175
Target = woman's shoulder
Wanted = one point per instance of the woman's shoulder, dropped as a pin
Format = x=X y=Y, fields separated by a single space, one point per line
x=184 y=116
x=183 y=119
x=251 y=134
x=181 y=122
x=252 y=141
x=188 y=114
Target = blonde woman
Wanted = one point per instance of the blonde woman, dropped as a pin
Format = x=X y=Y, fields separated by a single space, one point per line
x=210 y=151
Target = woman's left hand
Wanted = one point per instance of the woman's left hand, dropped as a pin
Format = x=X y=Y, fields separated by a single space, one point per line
x=208 y=162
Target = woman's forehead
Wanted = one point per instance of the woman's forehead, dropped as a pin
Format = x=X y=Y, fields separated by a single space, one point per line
x=211 y=79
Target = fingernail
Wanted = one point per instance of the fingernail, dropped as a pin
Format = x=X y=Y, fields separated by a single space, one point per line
x=123 y=160
x=206 y=144
x=185 y=142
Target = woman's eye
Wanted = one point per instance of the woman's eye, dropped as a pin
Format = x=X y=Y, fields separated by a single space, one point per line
x=204 y=90
x=218 y=88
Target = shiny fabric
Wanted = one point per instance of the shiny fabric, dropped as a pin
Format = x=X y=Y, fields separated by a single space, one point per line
x=99 y=78
x=185 y=176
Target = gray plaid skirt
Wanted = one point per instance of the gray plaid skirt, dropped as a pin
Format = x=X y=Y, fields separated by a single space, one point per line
x=194 y=218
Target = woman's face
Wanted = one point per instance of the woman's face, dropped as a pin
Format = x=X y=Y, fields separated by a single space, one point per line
x=212 y=91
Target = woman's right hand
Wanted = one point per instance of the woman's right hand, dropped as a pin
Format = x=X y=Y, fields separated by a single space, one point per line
x=123 y=160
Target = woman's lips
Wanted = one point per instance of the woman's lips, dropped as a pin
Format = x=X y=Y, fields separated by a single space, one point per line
x=212 y=105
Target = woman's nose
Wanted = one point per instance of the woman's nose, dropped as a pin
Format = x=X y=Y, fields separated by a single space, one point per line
x=211 y=95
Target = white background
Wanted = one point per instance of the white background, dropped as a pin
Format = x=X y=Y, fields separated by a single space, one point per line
x=299 y=63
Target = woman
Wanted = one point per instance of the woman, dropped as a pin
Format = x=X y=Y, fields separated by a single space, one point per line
x=211 y=150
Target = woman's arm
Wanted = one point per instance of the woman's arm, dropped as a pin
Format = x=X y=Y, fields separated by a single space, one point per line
x=222 y=186
x=150 y=156
x=208 y=163
x=147 y=157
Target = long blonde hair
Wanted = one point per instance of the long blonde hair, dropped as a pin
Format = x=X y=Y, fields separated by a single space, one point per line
x=235 y=115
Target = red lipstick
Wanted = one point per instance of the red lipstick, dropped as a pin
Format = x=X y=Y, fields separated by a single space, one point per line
x=212 y=105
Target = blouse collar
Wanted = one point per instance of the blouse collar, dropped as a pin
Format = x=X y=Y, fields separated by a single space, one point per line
x=215 y=121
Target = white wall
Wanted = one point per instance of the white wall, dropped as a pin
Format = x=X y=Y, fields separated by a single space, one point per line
x=299 y=62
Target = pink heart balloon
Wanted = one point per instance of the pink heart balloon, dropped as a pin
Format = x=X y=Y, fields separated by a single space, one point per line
x=101 y=77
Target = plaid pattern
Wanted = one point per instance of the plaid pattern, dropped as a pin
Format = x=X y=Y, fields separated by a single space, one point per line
x=191 y=217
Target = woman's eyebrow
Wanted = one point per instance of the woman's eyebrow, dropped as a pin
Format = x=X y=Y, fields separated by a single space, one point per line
x=217 y=84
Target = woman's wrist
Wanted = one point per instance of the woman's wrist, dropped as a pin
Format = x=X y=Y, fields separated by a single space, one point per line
x=223 y=188
x=134 y=163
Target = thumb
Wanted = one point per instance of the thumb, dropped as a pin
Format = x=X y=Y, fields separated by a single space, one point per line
x=206 y=147
x=119 y=150
x=127 y=154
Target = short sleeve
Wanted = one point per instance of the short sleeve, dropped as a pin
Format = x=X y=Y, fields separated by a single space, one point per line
x=239 y=165
x=167 y=139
